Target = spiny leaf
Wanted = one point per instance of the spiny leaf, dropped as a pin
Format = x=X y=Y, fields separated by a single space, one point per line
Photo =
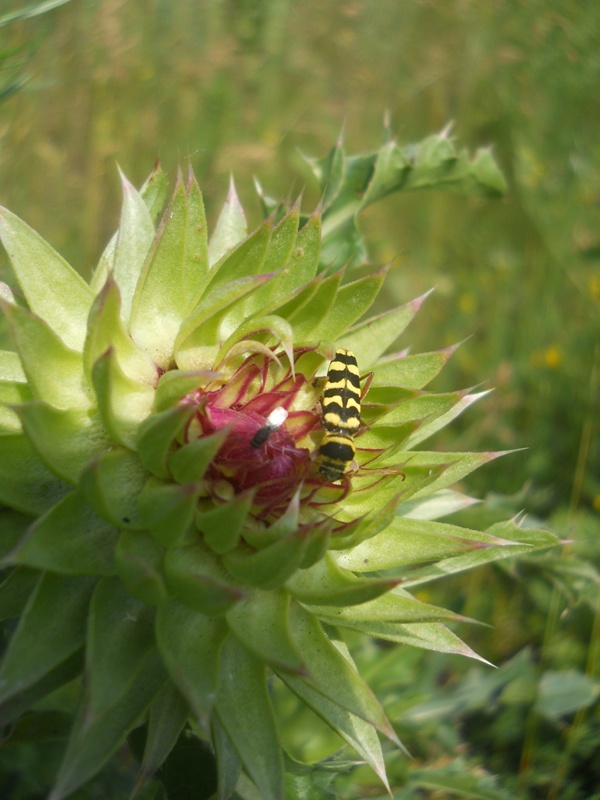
x=112 y=484
x=406 y=542
x=190 y=646
x=167 y=509
x=46 y=280
x=69 y=539
x=119 y=639
x=326 y=584
x=136 y=234
x=139 y=559
x=368 y=340
x=174 y=272
x=196 y=577
x=93 y=741
x=245 y=712
x=308 y=317
x=123 y=403
x=331 y=674
x=157 y=435
x=51 y=629
x=359 y=734
x=519 y=541
x=26 y=484
x=106 y=330
x=67 y=440
x=261 y=624
x=166 y=720
x=54 y=371
x=230 y=229
x=395 y=606
x=15 y=590
x=222 y=525
x=353 y=300
x=200 y=331
x=410 y=372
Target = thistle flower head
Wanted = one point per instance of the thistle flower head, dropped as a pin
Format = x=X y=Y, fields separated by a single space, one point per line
x=168 y=532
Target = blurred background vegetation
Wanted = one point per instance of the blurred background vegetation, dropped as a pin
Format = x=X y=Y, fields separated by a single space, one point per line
x=244 y=87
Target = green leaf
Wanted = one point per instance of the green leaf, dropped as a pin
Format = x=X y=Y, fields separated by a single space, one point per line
x=154 y=191
x=395 y=606
x=518 y=541
x=301 y=266
x=270 y=567
x=562 y=692
x=260 y=622
x=370 y=339
x=197 y=578
x=463 y=785
x=230 y=229
x=280 y=253
x=189 y=771
x=139 y=559
x=135 y=237
x=359 y=734
x=331 y=673
x=67 y=440
x=47 y=281
x=439 y=504
x=167 y=509
x=51 y=629
x=353 y=300
x=166 y=720
x=55 y=678
x=409 y=541
x=246 y=259
x=245 y=712
x=425 y=635
x=154 y=194
x=309 y=317
x=69 y=539
x=26 y=484
x=16 y=588
x=174 y=386
x=112 y=484
x=120 y=635
x=411 y=372
x=222 y=525
x=11 y=369
x=276 y=327
x=54 y=371
x=436 y=423
x=229 y=765
x=173 y=275
x=190 y=462
x=13 y=390
x=197 y=343
x=326 y=584
x=190 y=645
x=122 y=402
x=13 y=525
x=157 y=435
x=95 y=739
x=403 y=424
x=106 y=330
x=445 y=468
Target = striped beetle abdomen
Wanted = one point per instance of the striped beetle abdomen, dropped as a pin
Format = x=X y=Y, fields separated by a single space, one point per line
x=341 y=415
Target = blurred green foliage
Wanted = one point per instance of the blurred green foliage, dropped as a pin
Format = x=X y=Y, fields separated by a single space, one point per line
x=241 y=86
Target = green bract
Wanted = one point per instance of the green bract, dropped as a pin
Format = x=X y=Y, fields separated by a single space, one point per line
x=151 y=550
